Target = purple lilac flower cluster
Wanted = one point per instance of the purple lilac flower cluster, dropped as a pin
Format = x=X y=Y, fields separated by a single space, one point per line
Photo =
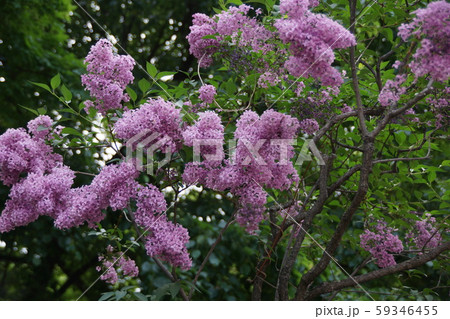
x=108 y=75
x=346 y=109
x=392 y=91
x=46 y=190
x=309 y=126
x=155 y=116
x=20 y=153
x=114 y=265
x=431 y=26
x=36 y=195
x=245 y=175
x=166 y=240
x=113 y=187
x=312 y=38
x=38 y=177
x=441 y=107
x=207 y=128
x=207 y=93
x=233 y=24
x=268 y=79
x=314 y=105
x=244 y=42
x=381 y=243
x=425 y=233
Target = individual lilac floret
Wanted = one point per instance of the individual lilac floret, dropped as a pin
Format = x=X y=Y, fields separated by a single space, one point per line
x=108 y=76
x=155 y=116
x=381 y=243
x=431 y=26
x=425 y=234
x=309 y=126
x=207 y=93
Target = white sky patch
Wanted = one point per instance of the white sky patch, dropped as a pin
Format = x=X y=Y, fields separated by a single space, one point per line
x=2 y=244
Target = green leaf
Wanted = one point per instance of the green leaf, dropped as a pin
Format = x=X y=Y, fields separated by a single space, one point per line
x=131 y=93
x=237 y=2
x=144 y=85
x=55 y=81
x=140 y=296
x=432 y=176
x=174 y=289
x=41 y=111
x=42 y=85
x=28 y=109
x=106 y=295
x=41 y=128
x=120 y=294
x=81 y=106
x=67 y=110
x=209 y=36
x=171 y=288
x=71 y=131
x=66 y=93
x=400 y=137
x=152 y=70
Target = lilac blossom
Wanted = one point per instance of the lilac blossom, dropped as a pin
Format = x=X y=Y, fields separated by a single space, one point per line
x=432 y=28
x=207 y=93
x=155 y=116
x=425 y=234
x=107 y=77
x=381 y=244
